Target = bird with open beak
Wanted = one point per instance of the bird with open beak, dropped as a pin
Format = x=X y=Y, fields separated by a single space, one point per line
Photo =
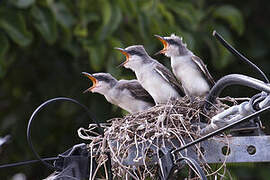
x=127 y=94
x=153 y=76
x=188 y=68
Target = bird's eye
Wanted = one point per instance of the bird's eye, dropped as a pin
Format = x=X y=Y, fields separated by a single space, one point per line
x=133 y=52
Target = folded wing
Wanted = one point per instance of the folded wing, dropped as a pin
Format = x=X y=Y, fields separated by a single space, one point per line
x=169 y=77
x=202 y=67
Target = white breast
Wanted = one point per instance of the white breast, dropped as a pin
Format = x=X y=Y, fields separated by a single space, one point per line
x=126 y=101
x=191 y=78
x=157 y=87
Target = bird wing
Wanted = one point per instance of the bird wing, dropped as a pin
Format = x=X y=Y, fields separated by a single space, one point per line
x=169 y=77
x=137 y=91
x=202 y=67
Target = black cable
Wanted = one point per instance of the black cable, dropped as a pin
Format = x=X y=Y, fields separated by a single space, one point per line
x=233 y=79
x=40 y=108
x=220 y=130
x=27 y=162
x=239 y=55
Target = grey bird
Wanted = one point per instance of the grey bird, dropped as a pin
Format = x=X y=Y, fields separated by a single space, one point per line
x=153 y=76
x=127 y=94
x=188 y=68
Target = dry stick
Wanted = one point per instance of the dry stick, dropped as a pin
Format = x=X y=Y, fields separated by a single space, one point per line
x=227 y=98
x=106 y=171
x=91 y=162
x=144 y=158
x=137 y=148
x=120 y=164
x=153 y=129
x=98 y=166
x=135 y=174
x=88 y=137
x=181 y=154
x=118 y=150
x=147 y=140
x=139 y=171
x=192 y=139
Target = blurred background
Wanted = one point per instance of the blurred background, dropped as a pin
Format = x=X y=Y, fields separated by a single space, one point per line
x=46 y=44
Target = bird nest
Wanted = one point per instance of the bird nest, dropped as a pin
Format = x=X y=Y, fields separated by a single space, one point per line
x=132 y=141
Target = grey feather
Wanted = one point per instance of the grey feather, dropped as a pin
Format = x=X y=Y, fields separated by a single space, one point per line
x=202 y=67
x=136 y=90
x=169 y=77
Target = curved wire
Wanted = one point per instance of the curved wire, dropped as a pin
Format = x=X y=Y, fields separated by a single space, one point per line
x=39 y=109
x=234 y=79
x=195 y=165
x=240 y=56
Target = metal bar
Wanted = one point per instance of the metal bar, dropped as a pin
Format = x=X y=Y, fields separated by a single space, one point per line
x=221 y=130
x=240 y=149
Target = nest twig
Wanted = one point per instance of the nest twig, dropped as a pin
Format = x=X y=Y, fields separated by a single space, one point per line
x=171 y=124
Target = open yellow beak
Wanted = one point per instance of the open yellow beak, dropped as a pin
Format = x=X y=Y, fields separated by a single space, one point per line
x=165 y=45
x=94 y=81
x=123 y=51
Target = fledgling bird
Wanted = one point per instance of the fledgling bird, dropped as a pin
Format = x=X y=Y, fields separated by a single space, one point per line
x=127 y=94
x=153 y=76
x=188 y=68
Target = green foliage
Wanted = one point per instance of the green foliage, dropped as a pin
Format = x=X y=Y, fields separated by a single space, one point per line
x=13 y=23
x=45 y=44
x=89 y=25
x=232 y=16
x=45 y=23
x=22 y=3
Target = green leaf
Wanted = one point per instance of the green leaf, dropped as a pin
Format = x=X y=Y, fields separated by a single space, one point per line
x=80 y=30
x=45 y=23
x=114 y=42
x=116 y=19
x=232 y=16
x=123 y=5
x=186 y=13
x=4 y=44
x=91 y=17
x=167 y=14
x=111 y=65
x=22 y=3
x=155 y=26
x=188 y=38
x=15 y=26
x=143 y=25
x=96 y=56
x=106 y=11
x=224 y=56
x=108 y=29
x=73 y=49
x=62 y=14
x=132 y=7
x=148 y=6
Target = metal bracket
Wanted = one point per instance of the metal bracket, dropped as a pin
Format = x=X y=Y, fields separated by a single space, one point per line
x=240 y=149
